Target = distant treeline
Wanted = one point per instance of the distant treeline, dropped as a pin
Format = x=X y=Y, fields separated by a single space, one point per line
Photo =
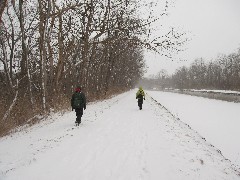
x=222 y=73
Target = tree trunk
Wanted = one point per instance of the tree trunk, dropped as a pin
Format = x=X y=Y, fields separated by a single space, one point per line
x=6 y=69
x=3 y=4
x=60 y=64
x=43 y=52
x=23 y=63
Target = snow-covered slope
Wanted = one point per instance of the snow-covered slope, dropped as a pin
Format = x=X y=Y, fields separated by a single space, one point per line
x=217 y=121
x=114 y=141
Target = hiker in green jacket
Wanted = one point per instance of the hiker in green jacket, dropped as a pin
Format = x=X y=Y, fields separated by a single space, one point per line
x=140 y=95
x=78 y=102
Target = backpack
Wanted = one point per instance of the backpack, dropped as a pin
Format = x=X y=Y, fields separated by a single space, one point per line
x=141 y=92
x=140 y=96
x=78 y=100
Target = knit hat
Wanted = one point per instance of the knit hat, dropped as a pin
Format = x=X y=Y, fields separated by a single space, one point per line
x=78 y=89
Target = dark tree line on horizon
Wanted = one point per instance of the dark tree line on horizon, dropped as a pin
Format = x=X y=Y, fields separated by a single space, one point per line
x=223 y=73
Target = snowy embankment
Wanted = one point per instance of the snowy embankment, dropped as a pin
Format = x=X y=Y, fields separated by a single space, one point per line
x=217 y=121
x=114 y=141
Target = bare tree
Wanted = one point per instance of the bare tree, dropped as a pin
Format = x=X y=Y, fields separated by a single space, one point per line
x=49 y=46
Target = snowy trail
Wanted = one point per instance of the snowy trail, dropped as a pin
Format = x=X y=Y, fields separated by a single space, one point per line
x=114 y=141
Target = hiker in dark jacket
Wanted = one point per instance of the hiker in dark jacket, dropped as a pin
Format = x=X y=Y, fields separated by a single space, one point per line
x=78 y=102
x=140 y=95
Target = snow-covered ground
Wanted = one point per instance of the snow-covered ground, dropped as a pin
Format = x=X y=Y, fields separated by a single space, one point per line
x=114 y=141
x=217 y=121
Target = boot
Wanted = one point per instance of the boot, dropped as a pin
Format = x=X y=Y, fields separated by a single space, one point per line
x=78 y=120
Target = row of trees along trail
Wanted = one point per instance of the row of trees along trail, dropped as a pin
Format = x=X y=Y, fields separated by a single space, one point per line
x=48 y=47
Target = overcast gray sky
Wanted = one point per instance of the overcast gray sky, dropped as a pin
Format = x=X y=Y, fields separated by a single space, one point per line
x=213 y=25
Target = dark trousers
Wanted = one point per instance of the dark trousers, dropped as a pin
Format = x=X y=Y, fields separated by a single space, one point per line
x=140 y=102
x=79 y=113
